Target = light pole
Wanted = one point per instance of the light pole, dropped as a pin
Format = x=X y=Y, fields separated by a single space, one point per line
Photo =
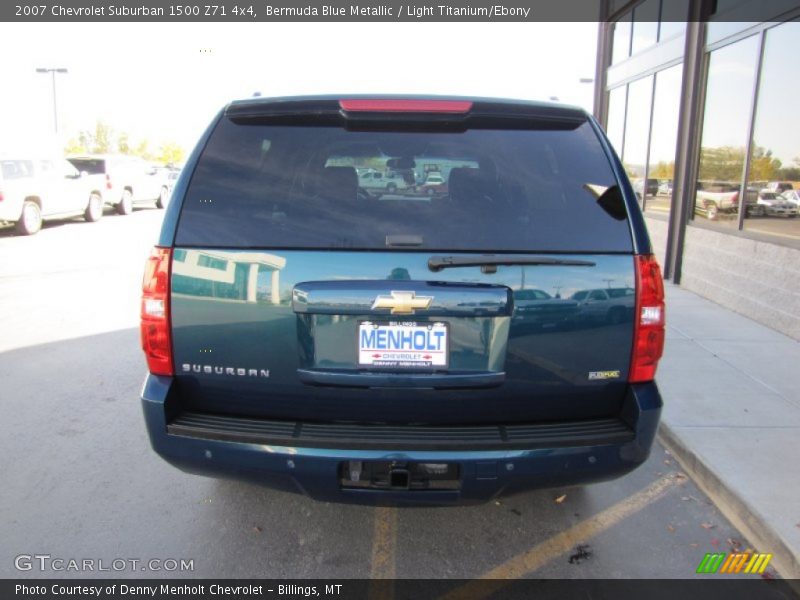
x=53 y=71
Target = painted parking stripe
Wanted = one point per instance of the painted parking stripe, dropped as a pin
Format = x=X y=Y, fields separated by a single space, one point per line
x=544 y=552
x=384 y=542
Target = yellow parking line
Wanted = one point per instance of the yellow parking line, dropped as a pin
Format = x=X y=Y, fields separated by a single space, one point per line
x=383 y=543
x=544 y=552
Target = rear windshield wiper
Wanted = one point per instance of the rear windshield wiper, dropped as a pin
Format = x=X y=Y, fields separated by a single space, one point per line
x=491 y=262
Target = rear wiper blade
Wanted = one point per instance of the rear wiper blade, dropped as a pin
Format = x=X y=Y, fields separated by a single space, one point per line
x=437 y=263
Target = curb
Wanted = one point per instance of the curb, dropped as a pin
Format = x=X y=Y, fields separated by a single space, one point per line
x=739 y=512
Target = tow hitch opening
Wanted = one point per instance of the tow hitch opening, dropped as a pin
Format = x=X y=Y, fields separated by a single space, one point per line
x=394 y=475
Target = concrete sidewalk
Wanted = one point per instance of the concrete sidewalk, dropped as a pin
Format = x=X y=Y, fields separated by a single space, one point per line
x=732 y=419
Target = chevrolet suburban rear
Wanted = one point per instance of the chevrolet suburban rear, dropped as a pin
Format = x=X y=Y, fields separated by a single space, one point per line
x=305 y=333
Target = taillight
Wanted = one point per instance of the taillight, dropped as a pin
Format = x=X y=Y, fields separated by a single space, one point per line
x=155 y=323
x=648 y=328
x=108 y=182
x=2 y=197
x=390 y=105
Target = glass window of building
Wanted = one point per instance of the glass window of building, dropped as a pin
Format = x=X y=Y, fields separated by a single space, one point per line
x=729 y=91
x=645 y=25
x=773 y=185
x=616 y=117
x=637 y=130
x=673 y=18
x=663 y=139
x=621 y=44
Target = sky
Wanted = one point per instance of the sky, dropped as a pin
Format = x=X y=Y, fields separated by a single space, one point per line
x=165 y=81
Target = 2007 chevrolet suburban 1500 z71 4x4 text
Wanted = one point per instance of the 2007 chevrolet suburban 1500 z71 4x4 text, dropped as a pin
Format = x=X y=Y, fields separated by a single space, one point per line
x=313 y=336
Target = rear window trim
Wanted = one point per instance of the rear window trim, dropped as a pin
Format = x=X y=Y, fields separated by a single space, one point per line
x=395 y=249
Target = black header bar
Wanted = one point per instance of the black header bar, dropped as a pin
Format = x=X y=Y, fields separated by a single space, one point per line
x=239 y=11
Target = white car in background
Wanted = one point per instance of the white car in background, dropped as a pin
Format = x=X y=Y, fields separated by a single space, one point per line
x=434 y=184
x=778 y=187
x=714 y=198
x=377 y=183
x=775 y=205
x=606 y=305
x=792 y=197
x=34 y=188
x=129 y=180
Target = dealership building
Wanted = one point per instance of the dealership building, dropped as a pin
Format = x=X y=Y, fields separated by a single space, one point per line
x=701 y=100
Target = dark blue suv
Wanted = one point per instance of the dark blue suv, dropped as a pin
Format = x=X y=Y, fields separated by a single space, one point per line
x=367 y=345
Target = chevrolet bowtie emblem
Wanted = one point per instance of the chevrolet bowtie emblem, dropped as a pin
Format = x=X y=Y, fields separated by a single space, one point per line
x=403 y=303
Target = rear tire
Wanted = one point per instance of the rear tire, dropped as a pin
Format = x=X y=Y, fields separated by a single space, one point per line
x=163 y=198
x=125 y=206
x=94 y=210
x=391 y=188
x=30 y=221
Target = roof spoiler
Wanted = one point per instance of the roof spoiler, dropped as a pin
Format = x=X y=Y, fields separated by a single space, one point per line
x=405 y=113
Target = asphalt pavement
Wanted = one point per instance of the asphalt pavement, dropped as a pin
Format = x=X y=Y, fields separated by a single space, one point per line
x=79 y=480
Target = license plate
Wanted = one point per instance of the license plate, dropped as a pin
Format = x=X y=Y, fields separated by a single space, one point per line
x=402 y=345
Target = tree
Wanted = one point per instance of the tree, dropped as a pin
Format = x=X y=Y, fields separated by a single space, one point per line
x=789 y=174
x=143 y=151
x=103 y=139
x=763 y=167
x=74 y=147
x=170 y=154
x=80 y=145
x=663 y=170
x=123 y=145
x=721 y=164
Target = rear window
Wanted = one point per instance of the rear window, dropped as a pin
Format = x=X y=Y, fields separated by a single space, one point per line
x=275 y=186
x=16 y=169
x=93 y=166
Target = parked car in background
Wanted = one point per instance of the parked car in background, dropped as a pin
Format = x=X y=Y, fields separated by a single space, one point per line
x=792 y=197
x=778 y=186
x=538 y=309
x=172 y=178
x=651 y=187
x=775 y=205
x=434 y=184
x=381 y=182
x=35 y=188
x=713 y=199
x=129 y=180
x=665 y=188
x=606 y=305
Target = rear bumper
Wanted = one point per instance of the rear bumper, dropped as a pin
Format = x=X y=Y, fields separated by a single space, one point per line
x=490 y=465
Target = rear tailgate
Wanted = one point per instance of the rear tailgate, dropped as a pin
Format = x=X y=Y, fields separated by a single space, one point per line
x=295 y=294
